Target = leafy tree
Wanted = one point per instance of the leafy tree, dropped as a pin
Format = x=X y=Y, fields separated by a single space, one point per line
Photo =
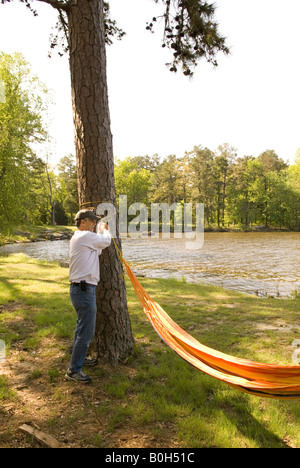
x=220 y=172
x=146 y=162
x=270 y=163
x=223 y=164
x=166 y=181
x=38 y=210
x=68 y=192
x=20 y=125
x=61 y=217
x=239 y=192
x=52 y=193
x=45 y=192
x=133 y=181
x=202 y=179
x=185 y=182
x=278 y=198
x=293 y=200
x=191 y=33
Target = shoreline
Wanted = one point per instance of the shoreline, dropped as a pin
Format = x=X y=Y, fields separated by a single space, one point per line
x=30 y=234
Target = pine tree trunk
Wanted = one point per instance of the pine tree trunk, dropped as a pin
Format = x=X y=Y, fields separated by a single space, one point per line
x=95 y=165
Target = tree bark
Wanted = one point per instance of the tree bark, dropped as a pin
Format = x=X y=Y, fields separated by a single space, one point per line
x=95 y=166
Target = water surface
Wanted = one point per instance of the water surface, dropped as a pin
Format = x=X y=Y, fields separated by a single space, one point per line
x=265 y=264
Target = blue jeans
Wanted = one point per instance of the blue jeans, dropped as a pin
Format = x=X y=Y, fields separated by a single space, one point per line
x=84 y=302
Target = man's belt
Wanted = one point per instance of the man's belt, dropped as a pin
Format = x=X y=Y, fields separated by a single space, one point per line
x=83 y=285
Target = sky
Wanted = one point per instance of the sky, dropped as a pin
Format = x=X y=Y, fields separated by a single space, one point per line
x=250 y=101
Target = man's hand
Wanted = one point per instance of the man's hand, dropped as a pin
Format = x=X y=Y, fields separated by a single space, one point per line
x=101 y=227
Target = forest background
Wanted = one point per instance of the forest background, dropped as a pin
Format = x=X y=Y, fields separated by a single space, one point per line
x=237 y=192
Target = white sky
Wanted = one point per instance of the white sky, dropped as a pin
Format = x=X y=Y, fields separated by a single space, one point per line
x=251 y=101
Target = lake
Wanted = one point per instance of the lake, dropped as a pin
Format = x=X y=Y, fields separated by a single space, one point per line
x=264 y=264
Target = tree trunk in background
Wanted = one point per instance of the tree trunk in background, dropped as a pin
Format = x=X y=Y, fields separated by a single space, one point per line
x=95 y=165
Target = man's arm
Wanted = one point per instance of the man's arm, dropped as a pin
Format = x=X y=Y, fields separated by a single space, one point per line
x=103 y=236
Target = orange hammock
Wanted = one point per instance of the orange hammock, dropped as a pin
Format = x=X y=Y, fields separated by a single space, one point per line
x=265 y=380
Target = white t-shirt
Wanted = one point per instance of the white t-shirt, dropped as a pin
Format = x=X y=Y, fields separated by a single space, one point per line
x=85 y=248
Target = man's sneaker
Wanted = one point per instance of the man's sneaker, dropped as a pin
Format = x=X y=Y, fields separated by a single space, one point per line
x=78 y=377
x=90 y=362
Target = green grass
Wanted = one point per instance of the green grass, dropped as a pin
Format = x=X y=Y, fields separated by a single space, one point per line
x=5 y=392
x=156 y=399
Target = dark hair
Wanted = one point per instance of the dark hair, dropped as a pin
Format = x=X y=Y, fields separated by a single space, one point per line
x=84 y=214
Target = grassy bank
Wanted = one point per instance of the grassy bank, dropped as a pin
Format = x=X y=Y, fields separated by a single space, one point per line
x=25 y=233
x=156 y=399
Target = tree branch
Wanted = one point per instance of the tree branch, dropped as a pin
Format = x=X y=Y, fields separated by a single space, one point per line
x=56 y=4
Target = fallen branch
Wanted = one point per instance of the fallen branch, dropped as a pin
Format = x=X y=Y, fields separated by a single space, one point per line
x=40 y=436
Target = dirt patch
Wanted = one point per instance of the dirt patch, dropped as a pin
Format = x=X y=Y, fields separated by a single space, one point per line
x=278 y=325
x=74 y=414
x=12 y=306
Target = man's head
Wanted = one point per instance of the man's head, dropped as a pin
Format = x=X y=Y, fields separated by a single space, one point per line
x=85 y=220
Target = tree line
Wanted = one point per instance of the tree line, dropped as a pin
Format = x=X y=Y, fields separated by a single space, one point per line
x=237 y=192
x=242 y=192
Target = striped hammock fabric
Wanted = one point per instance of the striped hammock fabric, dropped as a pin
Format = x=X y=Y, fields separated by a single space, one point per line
x=264 y=380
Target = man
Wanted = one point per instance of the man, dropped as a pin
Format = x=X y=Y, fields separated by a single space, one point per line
x=85 y=248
